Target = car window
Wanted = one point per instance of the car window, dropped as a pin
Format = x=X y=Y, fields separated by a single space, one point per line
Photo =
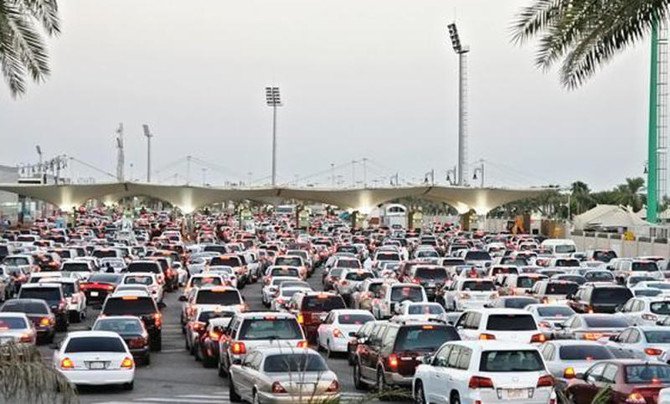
x=595 y=373
x=452 y=360
x=296 y=362
x=464 y=358
x=442 y=356
x=263 y=329
x=131 y=305
x=583 y=352
x=424 y=337
x=95 y=344
x=223 y=297
x=609 y=375
x=647 y=374
x=322 y=303
x=511 y=361
x=511 y=322
x=12 y=323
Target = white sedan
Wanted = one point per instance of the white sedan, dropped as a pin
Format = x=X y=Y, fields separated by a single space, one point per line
x=95 y=358
x=335 y=331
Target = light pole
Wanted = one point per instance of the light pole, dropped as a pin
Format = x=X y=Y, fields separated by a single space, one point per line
x=461 y=51
x=39 y=153
x=273 y=100
x=451 y=173
x=148 y=135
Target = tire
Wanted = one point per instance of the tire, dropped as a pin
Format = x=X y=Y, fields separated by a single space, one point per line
x=358 y=383
x=232 y=394
x=74 y=317
x=208 y=362
x=222 y=372
x=454 y=398
x=129 y=386
x=419 y=395
x=156 y=343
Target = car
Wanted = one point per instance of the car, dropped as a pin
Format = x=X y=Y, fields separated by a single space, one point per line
x=208 y=346
x=311 y=309
x=599 y=298
x=431 y=277
x=360 y=337
x=552 y=291
x=630 y=381
x=512 y=302
x=52 y=293
x=83 y=268
x=484 y=372
x=464 y=294
x=366 y=292
x=38 y=312
x=133 y=332
x=514 y=325
x=142 y=306
x=392 y=295
x=285 y=294
x=148 y=265
x=95 y=358
x=339 y=326
x=590 y=327
x=225 y=271
x=423 y=310
x=248 y=331
x=349 y=280
x=75 y=299
x=566 y=358
x=147 y=279
x=653 y=340
x=645 y=310
x=270 y=289
x=196 y=328
x=202 y=279
x=521 y=284
x=280 y=375
x=548 y=316
x=17 y=328
x=599 y=275
x=225 y=298
x=389 y=357
x=99 y=286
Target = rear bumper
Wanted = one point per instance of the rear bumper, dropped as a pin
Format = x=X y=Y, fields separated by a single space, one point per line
x=270 y=398
x=396 y=379
x=99 y=377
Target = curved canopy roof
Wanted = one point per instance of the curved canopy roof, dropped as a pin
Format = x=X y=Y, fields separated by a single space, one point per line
x=190 y=198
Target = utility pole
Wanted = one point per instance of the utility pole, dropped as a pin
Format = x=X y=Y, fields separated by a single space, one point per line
x=353 y=173
x=148 y=135
x=461 y=51
x=120 y=157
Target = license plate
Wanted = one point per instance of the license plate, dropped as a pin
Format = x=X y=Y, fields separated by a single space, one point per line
x=94 y=294
x=96 y=365
x=515 y=394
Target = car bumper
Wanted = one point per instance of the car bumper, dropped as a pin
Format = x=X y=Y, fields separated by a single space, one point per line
x=99 y=377
x=140 y=352
x=339 y=345
x=396 y=379
x=269 y=398
x=493 y=396
x=470 y=305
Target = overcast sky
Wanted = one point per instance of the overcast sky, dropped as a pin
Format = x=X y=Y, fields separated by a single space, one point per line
x=359 y=78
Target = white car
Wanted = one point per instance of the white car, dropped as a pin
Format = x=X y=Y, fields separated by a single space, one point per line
x=484 y=372
x=654 y=341
x=95 y=358
x=423 y=311
x=664 y=287
x=464 y=294
x=548 y=316
x=147 y=279
x=645 y=310
x=337 y=329
x=566 y=358
x=74 y=298
x=513 y=325
x=285 y=294
x=271 y=288
x=203 y=279
x=227 y=273
x=391 y=295
x=17 y=327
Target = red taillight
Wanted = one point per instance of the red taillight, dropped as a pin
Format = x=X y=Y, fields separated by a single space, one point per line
x=334 y=387
x=487 y=336
x=592 y=336
x=108 y=287
x=158 y=319
x=26 y=338
x=477 y=382
x=545 y=381
x=66 y=364
x=653 y=351
x=278 y=388
x=214 y=336
x=45 y=321
x=538 y=338
x=238 y=348
x=393 y=362
x=127 y=363
x=303 y=344
x=138 y=342
x=635 y=398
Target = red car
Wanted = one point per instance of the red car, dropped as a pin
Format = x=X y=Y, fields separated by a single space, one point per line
x=631 y=381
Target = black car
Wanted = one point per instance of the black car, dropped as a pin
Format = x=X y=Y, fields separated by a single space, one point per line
x=599 y=298
x=133 y=332
x=39 y=314
x=143 y=307
x=52 y=294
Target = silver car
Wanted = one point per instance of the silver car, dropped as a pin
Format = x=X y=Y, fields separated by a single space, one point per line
x=281 y=375
x=565 y=359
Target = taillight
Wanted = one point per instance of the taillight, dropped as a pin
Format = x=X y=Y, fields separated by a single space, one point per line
x=545 y=381
x=635 y=398
x=45 y=321
x=138 y=342
x=538 y=338
x=278 y=388
x=302 y=344
x=334 y=387
x=238 y=348
x=485 y=336
x=198 y=326
x=477 y=382
x=214 y=336
x=26 y=338
x=158 y=319
x=653 y=351
x=591 y=336
x=393 y=361
x=337 y=333
x=301 y=318
x=127 y=363
x=569 y=373
x=66 y=364
x=108 y=287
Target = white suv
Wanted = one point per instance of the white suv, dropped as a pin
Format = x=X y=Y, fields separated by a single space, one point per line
x=513 y=325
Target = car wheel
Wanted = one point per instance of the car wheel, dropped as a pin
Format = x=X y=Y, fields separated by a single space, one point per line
x=147 y=360
x=129 y=386
x=232 y=394
x=419 y=396
x=358 y=383
x=455 y=398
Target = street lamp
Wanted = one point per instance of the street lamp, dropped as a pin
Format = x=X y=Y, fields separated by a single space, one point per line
x=273 y=100
x=479 y=170
x=148 y=135
x=461 y=50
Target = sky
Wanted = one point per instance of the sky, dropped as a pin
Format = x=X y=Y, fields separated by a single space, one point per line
x=373 y=79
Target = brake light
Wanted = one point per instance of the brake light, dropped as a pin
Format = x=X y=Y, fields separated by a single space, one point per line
x=108 y=287
x=66 y=364
x=129 y=298
x=334 y=387
x=635 y=398
x=127 y=363
x=301 y=318
x=589 y=309
x=45 y=321
x=198 y=326
x=538 y=338
x=136 y=342
x=393 y=361
x=569 y=373
x=158 y=319
x=238 y=348
x=278 y=388
x=477 y=382
x=592 y=336
x=344 y=283
x=26 y=338
x=214 y=336
x=337 y=333
x=485 y=336
x=653 y=351
x=545 y=381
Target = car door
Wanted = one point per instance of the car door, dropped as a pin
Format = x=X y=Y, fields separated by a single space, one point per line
x=434 y=386
x=372 y=348
x=584 y=392
x=243 y=377
x=324 y=329
x=461 y=325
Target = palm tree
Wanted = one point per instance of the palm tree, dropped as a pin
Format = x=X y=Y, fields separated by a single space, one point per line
x=629 y=193
x=585 y=34
x=22 y=48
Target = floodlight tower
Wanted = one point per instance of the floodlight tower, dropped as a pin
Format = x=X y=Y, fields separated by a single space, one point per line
x=148 y=135
x=462 y=51
x=120 y=156
x=273 y=100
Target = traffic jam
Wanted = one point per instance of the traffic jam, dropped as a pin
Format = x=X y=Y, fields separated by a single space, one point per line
x=429 y=315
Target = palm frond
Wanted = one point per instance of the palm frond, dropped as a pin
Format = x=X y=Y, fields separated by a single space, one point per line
x=45 y=11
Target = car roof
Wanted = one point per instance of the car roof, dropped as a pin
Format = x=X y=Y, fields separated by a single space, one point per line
x=77 y=334
x=257 y=315
x=571 y=342
x=119 y=317
x=492 y=345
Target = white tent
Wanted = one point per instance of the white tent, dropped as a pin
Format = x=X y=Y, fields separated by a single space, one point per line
x=609 y=216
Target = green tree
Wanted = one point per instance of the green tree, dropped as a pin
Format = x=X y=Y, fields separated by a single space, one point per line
x=581 y=198
x=23 y=53
x=629 y=193
x=585 y=34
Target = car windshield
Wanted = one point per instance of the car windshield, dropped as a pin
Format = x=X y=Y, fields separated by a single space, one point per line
x=289 y=261
x=356 y=319
x=604 y=256
x=104 y=253
x=526 y=282
x=659 y=285
x=424 y=337
x=478 y=286
x=76 y=267
x=322 y=303
x=68 y=288
x=511 y=361
x=388 y=257
x=647 y=374
x=584 y=352
x=561 y=288
x=47 y=294
x=511 y=322
x=565 y=249
x=611 y=295
x=144 y=267
x=15 y=261
x=224 y=297
x=658 y=336
x=286 y=363
x=555 y=311
x=119 y=325
x=477 y=256
x=599 y=276
x=206 y=281
x=95 y=344
x=348 y=264
x=285 y=272
x=567 y=263
x=647 y=292
x=646 y=266
x=132 y=305
x=434 y=273
x=411 y=293
x=205 y=316
x=12 y=323
x=270 y=329
x=425 y=309
x=26 y=307
x=104 y=278
x=606 y=322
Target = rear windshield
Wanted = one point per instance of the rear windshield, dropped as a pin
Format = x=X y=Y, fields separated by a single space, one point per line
x=265 y=329
x=48 y=294
x=658 y=337
x=95 y=344
x=511 y=361
x=289 y=261
x=565 y=248
x=348 y=264
x=555 y=311
x=121 y=326
x=424 y=337
x=358 y=276
x=138 y=280
x=519 y=302
x=504 y=270
x=425 y=309
x=15 y=261
x=354 y=318
x=104 y=278
x=12 y=323
x=526 y=282
x=388 y=257
x=144 y=267
x=132 y=306
x=26 y=307
x=584 y=352
x=647 y=374
x=68 y=288
x=321 y=304
x=431 y=273
x=205 y=316
x=644 y=266
x=478 y=286
x=567 y=263
x=604 y=256
x=563 y=288
x=228 y=261
x=477 y=256
x=599 y=276
x=660 y=308
x=104 y=253
x=294 y=363
x=206 y=281
x=606 y=322
x=511 y=322
x=611 y=295
x=411 y=293
x=284 y=272
x=76 y=267
x=221 y=297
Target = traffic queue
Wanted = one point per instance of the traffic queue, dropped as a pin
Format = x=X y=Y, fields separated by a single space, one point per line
x=445 y=315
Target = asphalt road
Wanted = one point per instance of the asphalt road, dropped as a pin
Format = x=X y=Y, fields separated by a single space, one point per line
x=175 y=377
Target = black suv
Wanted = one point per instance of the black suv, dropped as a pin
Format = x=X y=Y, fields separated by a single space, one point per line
x=601 y=297
x=143 y=307
x=52 y=294
x=393 y=350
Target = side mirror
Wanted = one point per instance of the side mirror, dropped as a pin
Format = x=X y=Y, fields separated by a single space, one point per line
x=580 y=376
x=428 y=359
x=353 y=334
x=182 y=298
